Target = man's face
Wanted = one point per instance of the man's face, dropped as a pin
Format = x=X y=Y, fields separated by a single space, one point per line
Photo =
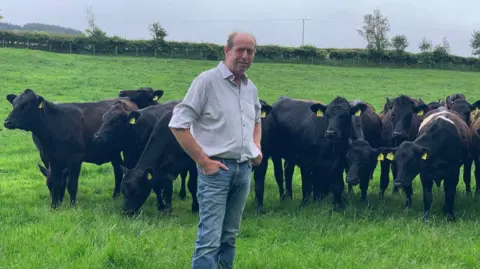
x=240 y=57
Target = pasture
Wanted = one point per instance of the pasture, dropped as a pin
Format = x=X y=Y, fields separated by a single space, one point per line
x=375 y=234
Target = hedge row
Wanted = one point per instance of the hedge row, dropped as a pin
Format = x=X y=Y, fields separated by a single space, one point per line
x=116 y=45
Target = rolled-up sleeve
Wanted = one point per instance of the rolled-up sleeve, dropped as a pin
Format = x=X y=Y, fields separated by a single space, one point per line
x=187 y=111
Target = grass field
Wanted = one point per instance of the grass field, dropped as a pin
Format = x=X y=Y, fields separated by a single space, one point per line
x=380 y=234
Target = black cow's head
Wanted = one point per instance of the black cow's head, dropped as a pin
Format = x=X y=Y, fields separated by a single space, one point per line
x=360 y=158
x=26 y=110
x=338 y=116
x=116 y=122
x=458 y=103
x=136 y=187
x=143 y=97
x=403 y=113
x=409 y=159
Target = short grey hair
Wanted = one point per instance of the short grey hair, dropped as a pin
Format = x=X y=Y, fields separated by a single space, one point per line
x=233 y=35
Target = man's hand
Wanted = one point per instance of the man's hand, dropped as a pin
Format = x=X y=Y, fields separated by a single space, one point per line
x=258 y=160
x=210 y=167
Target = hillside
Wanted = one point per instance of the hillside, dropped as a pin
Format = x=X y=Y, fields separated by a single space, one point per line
x=376 y=234
x=50 y=29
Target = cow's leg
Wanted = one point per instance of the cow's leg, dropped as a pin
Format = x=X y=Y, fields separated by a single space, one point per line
x=192 y=187
x=338 y=186
x=384 y=177
x=278 y=172
x=259 y=178
x=477 y=174
x=306 y=185
x=467 y=175
x=289 y=170
x=157 y=187
x=427 y=184
x=450 y=189
x=118 y=174
x=57 y=183
x=364 y=182
x=394 y=173
x=183 y=192
x=167 y=186
x=73 y=174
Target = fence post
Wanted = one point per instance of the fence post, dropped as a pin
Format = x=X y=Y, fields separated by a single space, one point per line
x=155 y=52
x=93 y=48
x=50 y=47
x=3 y=42
x=116 y=50
x=201 y=54
x=136 y=51
x=187 y=52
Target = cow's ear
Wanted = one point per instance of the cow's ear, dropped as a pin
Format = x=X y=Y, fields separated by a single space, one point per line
x=386 y=154
x=358 y=109
x=266 y=109
x=424 y=153
x=475 y=105
x=448 y=102
x=133 y=116
x=121 y=93
x=318 y=109
x=11 y=97
x=157 y=95
x=40 y=102
x=149 y=174
x=420 y=109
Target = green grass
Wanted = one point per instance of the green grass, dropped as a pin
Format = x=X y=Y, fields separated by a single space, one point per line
x=380 y=234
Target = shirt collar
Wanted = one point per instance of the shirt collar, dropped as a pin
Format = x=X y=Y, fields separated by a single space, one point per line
x=226 y=73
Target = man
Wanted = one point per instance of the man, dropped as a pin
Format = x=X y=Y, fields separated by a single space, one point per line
x=218 y=126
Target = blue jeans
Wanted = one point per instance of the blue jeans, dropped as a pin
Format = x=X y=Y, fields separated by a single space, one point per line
x=222 y=198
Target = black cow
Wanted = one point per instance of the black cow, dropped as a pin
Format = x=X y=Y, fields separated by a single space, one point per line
x=458 y=103
x=363 y=149
x=65 y=132
x=129 y=132
x=443 y=143
x=400 y=123
x=162 y=160
x=314 y=137
x=143 y=97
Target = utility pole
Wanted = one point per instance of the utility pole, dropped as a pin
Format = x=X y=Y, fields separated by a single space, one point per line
x=303 y=30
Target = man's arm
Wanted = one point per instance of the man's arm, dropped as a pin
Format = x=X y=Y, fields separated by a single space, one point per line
x=184 y=114
x=191 y=147
x=257 y=134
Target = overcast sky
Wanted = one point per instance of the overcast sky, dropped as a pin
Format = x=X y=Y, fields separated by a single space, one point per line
x=330 y=23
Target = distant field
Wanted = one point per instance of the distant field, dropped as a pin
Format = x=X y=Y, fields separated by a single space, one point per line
x=95 y=235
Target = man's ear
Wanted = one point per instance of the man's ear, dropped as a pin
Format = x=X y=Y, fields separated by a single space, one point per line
x=318 y=109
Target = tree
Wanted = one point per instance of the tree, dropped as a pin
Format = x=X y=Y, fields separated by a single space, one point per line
x=94 y=32
x=475 y=42
x=425 y=45
x=158 y=33
x=400 y=43
x=375 y=28
x=443 y=48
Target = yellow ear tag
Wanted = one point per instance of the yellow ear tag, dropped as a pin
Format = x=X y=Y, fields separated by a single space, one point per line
x=149 y=176
x=475 y=111
x=41 y=105
x=358 y=112
x=380 y=157
x=319 y=113
x=390 y=156
x=264 y=114
x=424 y=156
x=121 y=155
x=132 y=121
x=420 y=113
x=155 y=98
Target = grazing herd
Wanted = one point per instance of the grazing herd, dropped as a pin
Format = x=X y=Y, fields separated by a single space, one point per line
x=325 y=141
